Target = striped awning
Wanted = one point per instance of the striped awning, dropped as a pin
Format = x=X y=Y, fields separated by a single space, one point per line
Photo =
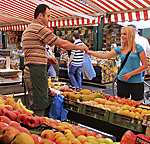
x=17 y=14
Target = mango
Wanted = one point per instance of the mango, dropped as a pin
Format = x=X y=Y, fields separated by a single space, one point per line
x=86 y=98
x=86 y=92
x=113 y=108
x=96 y=95
x=100 y=100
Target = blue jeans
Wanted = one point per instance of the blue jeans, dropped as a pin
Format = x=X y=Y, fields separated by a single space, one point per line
x=75 y=75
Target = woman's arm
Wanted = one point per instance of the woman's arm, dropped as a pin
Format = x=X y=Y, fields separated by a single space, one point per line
x=110 y=54
x=144 y=65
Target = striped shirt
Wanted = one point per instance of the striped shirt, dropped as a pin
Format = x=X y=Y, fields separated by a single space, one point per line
x=34 y=40
x=78 y=55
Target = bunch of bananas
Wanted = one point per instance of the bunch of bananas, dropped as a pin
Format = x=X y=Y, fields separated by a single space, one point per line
x=17 y=105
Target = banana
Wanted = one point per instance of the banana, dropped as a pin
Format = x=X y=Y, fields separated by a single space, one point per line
x=24 y=107
x=16 y=105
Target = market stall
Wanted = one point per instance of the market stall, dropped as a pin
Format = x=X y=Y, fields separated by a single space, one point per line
x=100 y=117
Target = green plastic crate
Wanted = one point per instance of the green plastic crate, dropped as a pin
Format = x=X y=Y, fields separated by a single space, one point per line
x=126 y=122
x=72 y=105
x=95 y=112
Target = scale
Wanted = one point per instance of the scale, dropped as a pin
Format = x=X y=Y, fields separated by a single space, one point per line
x=8 y=75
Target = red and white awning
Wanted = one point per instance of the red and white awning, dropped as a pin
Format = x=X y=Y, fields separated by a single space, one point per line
x=17 y=14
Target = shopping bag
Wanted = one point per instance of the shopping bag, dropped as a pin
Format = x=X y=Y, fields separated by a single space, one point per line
x=57 y=111
x=88 y=70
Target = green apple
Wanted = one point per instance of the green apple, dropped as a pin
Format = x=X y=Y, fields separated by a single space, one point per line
x=101 y=140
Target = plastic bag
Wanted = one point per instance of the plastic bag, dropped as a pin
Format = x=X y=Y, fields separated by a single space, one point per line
x=88 y=70
x=57 y=111
x=128 y=138
x=51 y=71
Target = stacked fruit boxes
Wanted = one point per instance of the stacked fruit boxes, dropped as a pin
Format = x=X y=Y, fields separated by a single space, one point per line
x=126 y=121
x=95 y=112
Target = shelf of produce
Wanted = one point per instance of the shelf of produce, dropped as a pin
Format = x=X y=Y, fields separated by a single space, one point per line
x=101 y=125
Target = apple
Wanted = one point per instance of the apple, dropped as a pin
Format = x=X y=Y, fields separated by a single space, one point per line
x=36 y=138
x=8 y=134
x=2 y=110
x=22 y=111
x=82 y=141
x=76 y=132
x=31 y=121
x=11 y=115
x=16 y=112
x=23 y=129
x=21 y=118
x=4 y=119
x=14 y=124
x=82 y=137
x=99 y=136
x=42 y=120
x=48 y=134
x=22 y=138
x=90 y=133
x=46 y=141
x=3 y=125
x=9 y=107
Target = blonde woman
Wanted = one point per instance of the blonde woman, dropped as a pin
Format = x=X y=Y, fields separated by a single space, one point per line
x=130 y=80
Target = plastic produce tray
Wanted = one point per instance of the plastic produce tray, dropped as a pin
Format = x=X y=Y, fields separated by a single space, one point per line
x=95 y=112
x=72 y=105
x=126 y=122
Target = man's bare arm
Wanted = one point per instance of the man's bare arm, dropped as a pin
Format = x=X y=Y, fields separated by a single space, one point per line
x=70 y=46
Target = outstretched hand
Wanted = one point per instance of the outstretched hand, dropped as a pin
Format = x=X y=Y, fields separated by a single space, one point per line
x=89 y=52
x=53 y=61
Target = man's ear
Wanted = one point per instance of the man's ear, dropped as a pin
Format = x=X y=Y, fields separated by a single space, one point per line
x=40 y=15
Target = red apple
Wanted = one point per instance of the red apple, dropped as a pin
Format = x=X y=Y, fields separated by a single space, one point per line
x=3 y=125
x=16 y=112
x=4 y=119
x=21 y=118
x=90 y=133
x=48 y=134
x=23 y=129
x=11 y=115
x=76 y=132
x=36 y=138
x=42 y=120
x=9 y=108
x=31 y=121
x=14 y=124
x=8 y=134
x=2 y=110
x=22 y=111
x=46 y=141
x=99 y=136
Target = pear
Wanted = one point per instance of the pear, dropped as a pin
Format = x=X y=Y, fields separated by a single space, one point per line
x=22 y=138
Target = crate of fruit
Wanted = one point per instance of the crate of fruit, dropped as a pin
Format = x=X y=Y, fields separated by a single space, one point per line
x=126 y=122
x=72 y=105
x=95 y=112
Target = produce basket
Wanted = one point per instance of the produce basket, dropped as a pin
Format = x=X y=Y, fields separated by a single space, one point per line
x=95 y=112
x=126 y=122
x=72 y=105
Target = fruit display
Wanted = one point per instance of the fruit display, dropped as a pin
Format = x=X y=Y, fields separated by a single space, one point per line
x=16 y=123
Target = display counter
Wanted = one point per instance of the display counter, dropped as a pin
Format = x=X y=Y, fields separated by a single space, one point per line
x=105 y=72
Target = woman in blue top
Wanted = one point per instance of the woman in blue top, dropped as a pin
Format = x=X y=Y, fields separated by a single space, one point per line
x=130 y=80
